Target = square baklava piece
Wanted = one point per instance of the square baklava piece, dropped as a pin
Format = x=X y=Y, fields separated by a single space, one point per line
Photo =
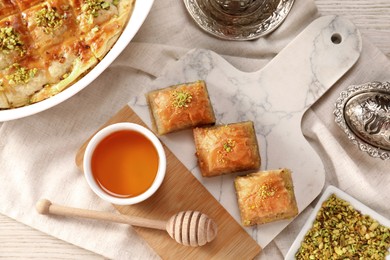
x=265 y=196
x=180 y=107
x=226 y=149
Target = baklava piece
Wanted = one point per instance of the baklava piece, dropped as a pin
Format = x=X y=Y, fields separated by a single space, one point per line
x=227 y=148
x=265 y=196
x=179 y=107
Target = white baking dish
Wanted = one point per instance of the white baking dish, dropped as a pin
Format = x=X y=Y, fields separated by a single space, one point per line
x=140 y=12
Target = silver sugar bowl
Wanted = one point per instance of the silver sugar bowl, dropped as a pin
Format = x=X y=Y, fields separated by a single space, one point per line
x=363 y=113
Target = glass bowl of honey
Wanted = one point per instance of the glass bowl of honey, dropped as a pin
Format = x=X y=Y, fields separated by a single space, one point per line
x=124 y=163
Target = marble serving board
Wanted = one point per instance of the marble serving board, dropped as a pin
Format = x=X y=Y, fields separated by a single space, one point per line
x=275 y=98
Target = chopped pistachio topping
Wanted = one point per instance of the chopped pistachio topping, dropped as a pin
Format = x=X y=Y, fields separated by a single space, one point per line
x=49 y=19
x=341 y=232
x=65 y=76
x=181 y=99
x=95 y=29
x=21 y=75
x=247 y=222
x=229 y=145
x=265 y=191
x=10 y=40
x=92 y=7
x=115 y=2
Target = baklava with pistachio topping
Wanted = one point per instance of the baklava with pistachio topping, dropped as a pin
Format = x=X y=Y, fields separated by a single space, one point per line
x=227 y=149
x=266 y=196
x=180 y=107
x=46 y=46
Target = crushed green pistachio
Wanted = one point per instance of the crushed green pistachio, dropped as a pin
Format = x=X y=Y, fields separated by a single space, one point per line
x=49 y=19
x=10 y=40
x=95 y=29
x=247 y=222
x=229 y=145
x=265 y=191
x=21 y=75
x=92 y=7
x=115 y=2
x=341 y=232
x=181 y=99
x=65 y=75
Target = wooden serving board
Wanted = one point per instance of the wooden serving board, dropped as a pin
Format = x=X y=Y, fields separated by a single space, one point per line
x=181 y=191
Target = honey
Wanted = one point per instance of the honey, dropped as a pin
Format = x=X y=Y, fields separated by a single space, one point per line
x=125 y=163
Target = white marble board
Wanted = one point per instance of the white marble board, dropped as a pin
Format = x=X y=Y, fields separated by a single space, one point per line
x=275 y=98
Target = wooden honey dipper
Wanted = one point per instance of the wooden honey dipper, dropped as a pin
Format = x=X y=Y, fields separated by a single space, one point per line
x=189 y=228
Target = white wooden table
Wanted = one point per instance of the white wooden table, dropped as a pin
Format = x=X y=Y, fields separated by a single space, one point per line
x=372 y=17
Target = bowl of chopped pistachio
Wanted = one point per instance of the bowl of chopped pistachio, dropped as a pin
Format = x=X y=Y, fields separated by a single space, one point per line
x=49 y=51
x=341 y=227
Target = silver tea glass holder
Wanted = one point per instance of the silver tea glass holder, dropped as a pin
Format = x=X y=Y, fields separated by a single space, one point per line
x=239 y=19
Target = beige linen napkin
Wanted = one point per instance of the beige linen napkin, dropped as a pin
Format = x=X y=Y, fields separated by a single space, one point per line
x=37 y=153
x=365 y=178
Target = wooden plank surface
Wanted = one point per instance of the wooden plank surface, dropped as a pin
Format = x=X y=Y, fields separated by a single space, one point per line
x=181 y=191
x=18 y=241
x=371 y=17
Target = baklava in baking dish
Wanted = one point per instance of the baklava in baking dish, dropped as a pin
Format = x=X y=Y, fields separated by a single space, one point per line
x=227 y=148
x=46 y=46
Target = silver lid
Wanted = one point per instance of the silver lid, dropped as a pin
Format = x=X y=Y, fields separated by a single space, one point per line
x=363 y=113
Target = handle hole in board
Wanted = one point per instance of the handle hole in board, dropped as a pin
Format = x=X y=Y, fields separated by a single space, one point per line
x=336 y=38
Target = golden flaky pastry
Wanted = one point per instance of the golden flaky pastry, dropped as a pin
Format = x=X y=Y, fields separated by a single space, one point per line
x=46 y=46
x=265 y=196
x=180 y=107
x=226 y=149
